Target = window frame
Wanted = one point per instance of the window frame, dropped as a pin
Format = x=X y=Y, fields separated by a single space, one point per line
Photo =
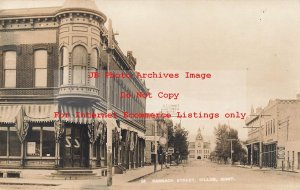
x=9 y=69
x=35 y=68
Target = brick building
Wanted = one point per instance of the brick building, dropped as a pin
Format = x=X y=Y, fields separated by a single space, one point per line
x=199 y=149
x=277 y=127
x=46 y=56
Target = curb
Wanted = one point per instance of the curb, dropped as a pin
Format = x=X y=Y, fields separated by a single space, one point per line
x=146 y=175
x=267 y=169
x=31 y=184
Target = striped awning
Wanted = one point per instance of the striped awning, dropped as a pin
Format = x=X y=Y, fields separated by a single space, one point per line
x=9 y=114
x=76 y=114
x=40 y=113
x=130 y=128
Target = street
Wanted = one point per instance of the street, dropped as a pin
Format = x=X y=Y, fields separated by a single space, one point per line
x=193 y=175
x=207 y=175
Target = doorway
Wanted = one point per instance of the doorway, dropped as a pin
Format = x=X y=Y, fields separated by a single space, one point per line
x=76 y=147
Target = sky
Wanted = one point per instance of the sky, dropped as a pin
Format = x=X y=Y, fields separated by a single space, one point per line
x=251 y=49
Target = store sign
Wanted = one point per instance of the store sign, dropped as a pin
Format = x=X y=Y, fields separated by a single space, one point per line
x=170 y=150
x=31 y=148
x=280 y=152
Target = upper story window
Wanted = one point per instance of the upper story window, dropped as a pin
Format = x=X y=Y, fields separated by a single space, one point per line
x=40 y=68
x=64 y=66
x=10 y=65
x=93 y=66
x=79 y=65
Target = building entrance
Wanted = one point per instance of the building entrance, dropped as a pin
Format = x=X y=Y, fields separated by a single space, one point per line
x=76 y=146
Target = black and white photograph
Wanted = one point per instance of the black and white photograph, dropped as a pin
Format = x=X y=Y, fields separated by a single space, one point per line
x=149 y=94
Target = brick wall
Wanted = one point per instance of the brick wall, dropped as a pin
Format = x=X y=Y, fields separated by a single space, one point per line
x=25 y=63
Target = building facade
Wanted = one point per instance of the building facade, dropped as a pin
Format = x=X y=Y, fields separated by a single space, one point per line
x=53 y=114
x=199 y=149
x=162 y=131
x=276 y=127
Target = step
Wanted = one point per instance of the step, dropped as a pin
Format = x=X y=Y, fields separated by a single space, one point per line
x=75 y=171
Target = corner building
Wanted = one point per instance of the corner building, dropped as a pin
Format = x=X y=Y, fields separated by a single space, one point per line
x=276 y=127
x=46 y=55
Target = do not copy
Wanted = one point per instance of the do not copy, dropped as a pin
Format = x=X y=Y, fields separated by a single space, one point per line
x=163 y=95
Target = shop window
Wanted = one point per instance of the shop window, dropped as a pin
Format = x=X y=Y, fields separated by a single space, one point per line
x=48 y=144
x=40 y=67
x=14 y=142
x=33 y=142
x=64 y=66
x=10 y=65
x=79 y=65
x=3 y=141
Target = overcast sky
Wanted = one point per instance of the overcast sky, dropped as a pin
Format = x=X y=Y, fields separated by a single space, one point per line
x=251 y=48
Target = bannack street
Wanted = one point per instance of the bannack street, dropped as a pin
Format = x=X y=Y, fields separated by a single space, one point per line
x=193 y=175
x=206 y=175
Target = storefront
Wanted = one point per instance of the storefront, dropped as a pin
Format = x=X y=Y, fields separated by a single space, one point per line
x=31 y=137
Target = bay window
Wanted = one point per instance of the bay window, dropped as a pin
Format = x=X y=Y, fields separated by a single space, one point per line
x=64 y=66
x=93 y=66
x=79 y=65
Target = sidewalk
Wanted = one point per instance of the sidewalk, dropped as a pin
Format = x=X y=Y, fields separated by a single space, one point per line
x=39 y=179
x=134 y=174
x=266 y=169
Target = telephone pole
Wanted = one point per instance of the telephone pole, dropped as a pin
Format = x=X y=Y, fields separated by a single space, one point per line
x=109 y=107
x=231 y=151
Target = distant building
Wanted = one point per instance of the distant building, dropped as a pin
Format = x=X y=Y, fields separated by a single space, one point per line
x=277 y=127
x=150 y=133
x=199 y=149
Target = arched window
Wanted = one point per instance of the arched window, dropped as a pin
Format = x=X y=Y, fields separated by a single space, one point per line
x=40 y=68
x=93 y=66
x=64 y=66
x=10 y=65
x=79 y=65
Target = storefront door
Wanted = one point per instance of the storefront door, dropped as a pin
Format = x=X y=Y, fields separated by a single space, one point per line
x=76 y=146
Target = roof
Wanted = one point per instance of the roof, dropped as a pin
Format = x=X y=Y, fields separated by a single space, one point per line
x=69 y=5
x=26 y=12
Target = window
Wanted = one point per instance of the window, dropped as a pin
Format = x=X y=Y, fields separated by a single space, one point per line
x=41 y=142
x=10 y=144
x=10 y=74
x=34 y=142
x=274 y=125
x=79 y=65
x=14 y=143
x=48 y=145
x=3 y=141
x=93 y=66
x=64 y=66
x=40 y=67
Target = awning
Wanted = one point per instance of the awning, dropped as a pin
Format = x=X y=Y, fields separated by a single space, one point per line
x=40 y=113
x=129 y=128
x=9 y=114
x=76 y=114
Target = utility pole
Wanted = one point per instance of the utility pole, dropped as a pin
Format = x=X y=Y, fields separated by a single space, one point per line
x=155 y=145
x=109 y=107
x=231 y=151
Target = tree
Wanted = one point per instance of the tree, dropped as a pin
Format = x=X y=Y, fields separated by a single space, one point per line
x=222 y=150
x=181 y=142
x=177 y=138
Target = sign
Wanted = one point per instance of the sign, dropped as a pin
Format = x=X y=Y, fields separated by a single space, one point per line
x=171 y=150
x=280 y=152
x=31 y=148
